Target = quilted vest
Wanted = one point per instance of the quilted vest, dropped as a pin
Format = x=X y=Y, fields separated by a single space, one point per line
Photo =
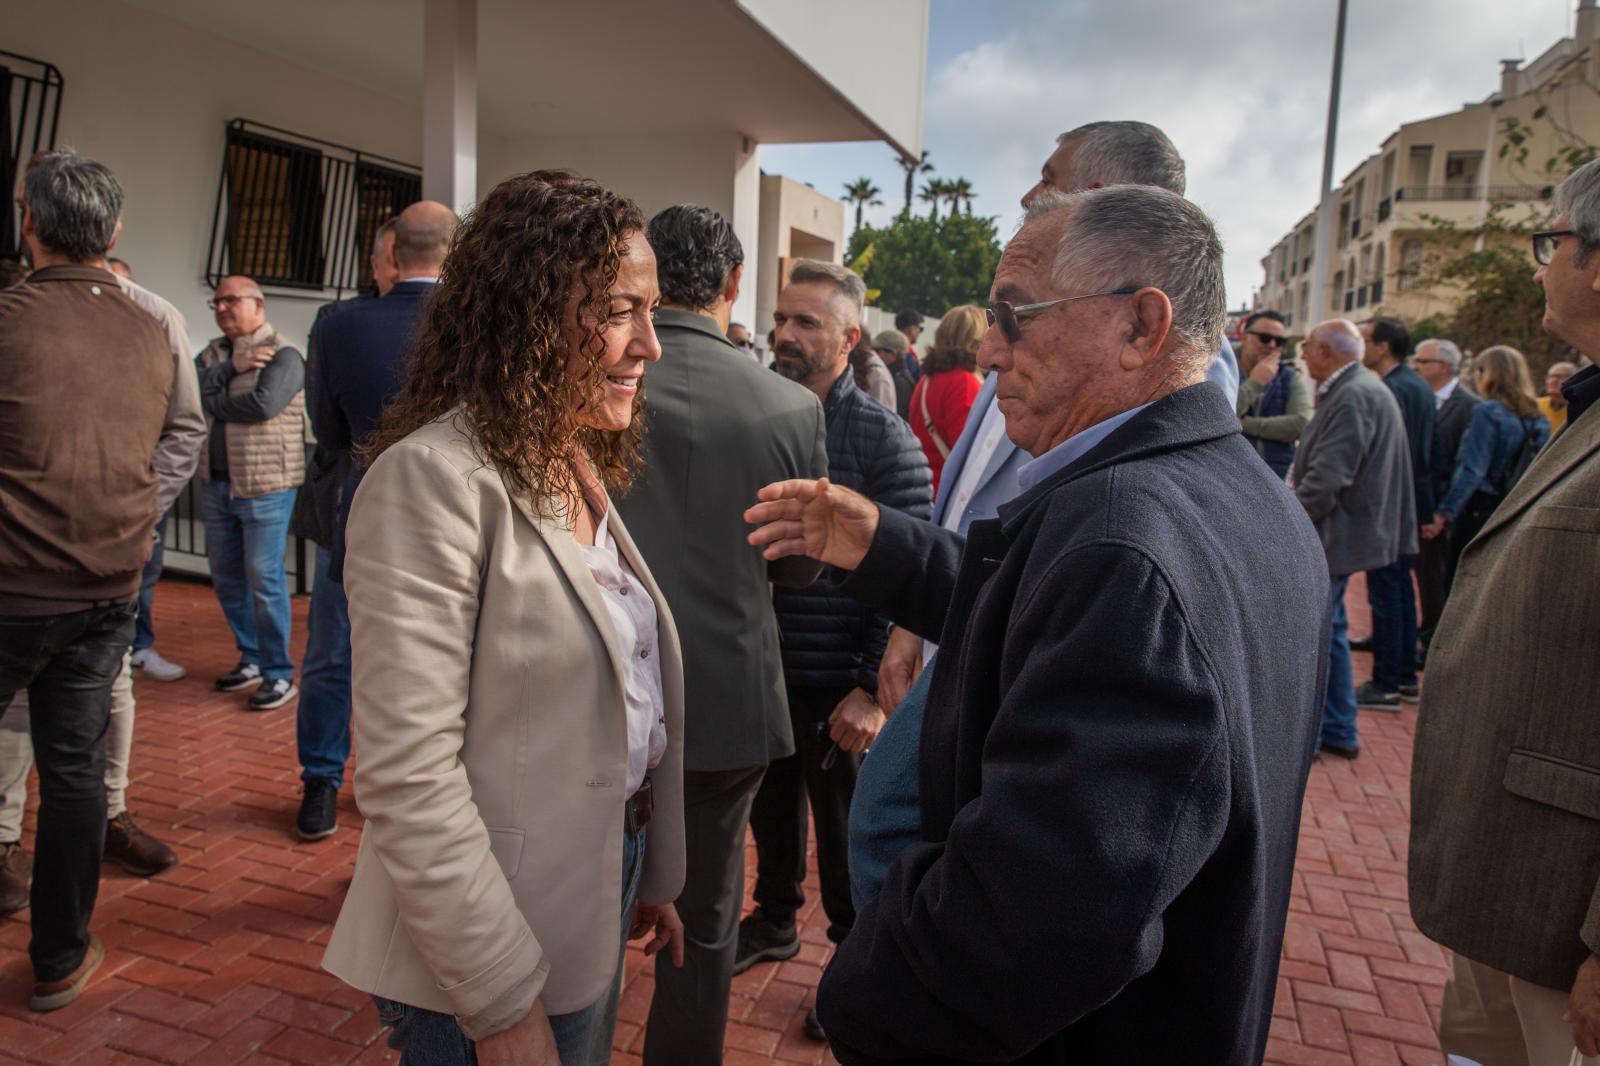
x=265 y=456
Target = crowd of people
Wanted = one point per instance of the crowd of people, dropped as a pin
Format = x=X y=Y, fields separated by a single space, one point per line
x=1040 y=632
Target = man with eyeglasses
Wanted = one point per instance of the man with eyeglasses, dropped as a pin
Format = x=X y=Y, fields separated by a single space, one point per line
x=1111 y=774
x=1274 y=402
x=252 y=387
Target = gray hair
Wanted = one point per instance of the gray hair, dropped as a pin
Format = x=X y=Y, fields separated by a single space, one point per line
x=383 y=231
x=846 y=283
x=1448 y=351
x=75 y=202
x=1124 y=153
x=1341 y=335
x=1578 y=201
x=1132 y=236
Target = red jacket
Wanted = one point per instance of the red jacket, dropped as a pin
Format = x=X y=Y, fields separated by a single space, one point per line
x=950 y=394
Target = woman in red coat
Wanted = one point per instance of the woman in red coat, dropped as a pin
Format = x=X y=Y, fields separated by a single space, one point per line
x=948 y=385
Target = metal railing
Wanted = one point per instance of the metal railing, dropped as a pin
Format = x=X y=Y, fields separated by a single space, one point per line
x=1473 y=192
x=298 y=212
x=30 y=111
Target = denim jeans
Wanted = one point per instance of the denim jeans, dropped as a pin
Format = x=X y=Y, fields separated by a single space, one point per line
x=1393 y=599
x=1339 y=708
x=886 y=810
x=322 y=722
x=144 y=634
x=245 y=544
x=583 y=1038
x=67 y=662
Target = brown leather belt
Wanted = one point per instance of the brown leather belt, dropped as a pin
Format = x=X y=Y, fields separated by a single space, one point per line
x=640 y=807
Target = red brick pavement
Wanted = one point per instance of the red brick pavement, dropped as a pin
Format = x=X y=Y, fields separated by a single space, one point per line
x=216 y=961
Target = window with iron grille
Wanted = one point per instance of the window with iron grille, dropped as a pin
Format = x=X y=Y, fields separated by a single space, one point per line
x=30 y=108
x=297 y=212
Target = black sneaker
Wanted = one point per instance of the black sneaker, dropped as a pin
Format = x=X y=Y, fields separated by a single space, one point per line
x=16 y=876
x=1410 y=693
x=243 y=676
x=1374 y=698
x=762 y=941
x=814 y=1027
x=318 y=810
x=271 y=694
x=1361 y=643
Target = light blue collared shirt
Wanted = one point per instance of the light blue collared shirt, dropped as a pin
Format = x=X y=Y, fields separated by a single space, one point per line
x=1070 y=450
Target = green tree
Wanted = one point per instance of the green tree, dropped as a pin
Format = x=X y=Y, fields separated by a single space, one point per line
x=913 y=167
x=933 y=194
x=863 y=193
x=960 y=192
x=929 y=264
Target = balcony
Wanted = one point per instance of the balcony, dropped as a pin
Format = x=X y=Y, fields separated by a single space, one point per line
x=1441 y=193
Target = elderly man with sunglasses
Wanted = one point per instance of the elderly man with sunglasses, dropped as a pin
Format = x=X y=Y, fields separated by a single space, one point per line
x=1111 y=775
x=1274 y=397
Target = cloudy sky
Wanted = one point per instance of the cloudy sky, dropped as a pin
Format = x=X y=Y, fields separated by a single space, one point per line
x=1241 y=87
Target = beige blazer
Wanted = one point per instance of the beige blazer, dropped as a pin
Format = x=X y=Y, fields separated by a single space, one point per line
x=1505 y=786
x=492 y=747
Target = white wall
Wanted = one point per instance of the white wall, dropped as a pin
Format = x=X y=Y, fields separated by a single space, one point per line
x=150 y=98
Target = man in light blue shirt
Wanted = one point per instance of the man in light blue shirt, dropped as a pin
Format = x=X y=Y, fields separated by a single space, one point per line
x=984 y=470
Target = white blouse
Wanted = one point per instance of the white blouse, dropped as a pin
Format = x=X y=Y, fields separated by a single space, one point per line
x=633 y=619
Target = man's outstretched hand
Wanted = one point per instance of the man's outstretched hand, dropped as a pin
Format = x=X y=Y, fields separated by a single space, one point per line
x=813 y=518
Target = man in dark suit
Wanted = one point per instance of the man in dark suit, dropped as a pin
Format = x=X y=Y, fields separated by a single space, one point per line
x=1122 y=716
x=1438 y=362
x=361 y=352
x=1390 y=592
x=717 y=427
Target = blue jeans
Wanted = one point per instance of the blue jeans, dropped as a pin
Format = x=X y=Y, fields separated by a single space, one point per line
x=583 y=1038
x=144 y=632
x=886 y=810
x=1339 y=709
x=245 y=544
x=322 y=722
x=1394 y=624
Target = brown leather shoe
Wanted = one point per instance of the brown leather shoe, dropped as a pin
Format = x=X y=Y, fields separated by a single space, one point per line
x=136 y=851
x=53 y=995
x=16 y=875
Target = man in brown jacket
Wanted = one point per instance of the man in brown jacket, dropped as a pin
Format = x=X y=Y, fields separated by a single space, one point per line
x=252 y=386
x=1505 y=789
x=87 y=382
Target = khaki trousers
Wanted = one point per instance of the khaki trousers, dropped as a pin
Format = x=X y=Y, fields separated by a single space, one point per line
x=1494 y=1019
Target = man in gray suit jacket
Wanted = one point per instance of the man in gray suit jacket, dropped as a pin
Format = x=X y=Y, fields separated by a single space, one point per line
x=1352 y=472
x=717 y=428
x=1505 y=787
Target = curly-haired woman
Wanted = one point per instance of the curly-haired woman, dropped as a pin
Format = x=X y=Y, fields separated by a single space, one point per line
x=517 y=683
x=949 y=384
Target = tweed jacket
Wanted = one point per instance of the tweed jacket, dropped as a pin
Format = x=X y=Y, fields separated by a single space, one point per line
x=1352 y=472
x=487 y=693
x=1505 y=785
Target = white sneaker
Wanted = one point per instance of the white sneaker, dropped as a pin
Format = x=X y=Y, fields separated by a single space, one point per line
x=148 y=663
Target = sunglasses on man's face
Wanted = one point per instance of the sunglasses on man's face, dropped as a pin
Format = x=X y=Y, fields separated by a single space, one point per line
x=1269 y=338
x=1007 y=316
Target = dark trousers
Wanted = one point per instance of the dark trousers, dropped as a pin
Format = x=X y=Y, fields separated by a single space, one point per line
x=689 y=1013
x=1393 y=599
x=778 y=817
x=1433 y=584
x=67 y=663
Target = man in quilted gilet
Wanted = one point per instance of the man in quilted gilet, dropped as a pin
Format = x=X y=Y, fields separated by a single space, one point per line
x=252 y=386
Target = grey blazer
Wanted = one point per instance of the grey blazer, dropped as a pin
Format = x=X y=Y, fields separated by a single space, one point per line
x=717 y=428
x=1505 y=784
x=1352 y=473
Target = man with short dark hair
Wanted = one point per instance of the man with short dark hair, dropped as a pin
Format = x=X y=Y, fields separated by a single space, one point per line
x=359 y=356
x=1390 y=592
x=70 y=559
x=1274 y=402
x=717 y=428
x=909 y=322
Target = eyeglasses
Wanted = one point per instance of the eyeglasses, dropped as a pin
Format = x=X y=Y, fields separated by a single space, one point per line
x=1269 y=338
x=1005 y=315
x=1544 y=244
x=1415 y=361
x=743 y=343
x=216 y=303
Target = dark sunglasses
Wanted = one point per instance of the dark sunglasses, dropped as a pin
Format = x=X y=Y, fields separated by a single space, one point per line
x=1005 y=315
x=1544 y=244
x=1268 y=338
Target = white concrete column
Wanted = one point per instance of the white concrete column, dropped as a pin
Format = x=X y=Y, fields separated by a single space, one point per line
x=746 y=219
x=450 y=102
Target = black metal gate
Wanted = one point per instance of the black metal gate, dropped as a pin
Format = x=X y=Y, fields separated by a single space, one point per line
x=30 y=109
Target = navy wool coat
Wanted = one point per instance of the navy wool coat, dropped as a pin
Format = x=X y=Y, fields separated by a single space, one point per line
x=1121 y=720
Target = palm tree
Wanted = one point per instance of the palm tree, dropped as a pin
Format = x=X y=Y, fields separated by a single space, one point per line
x=863 y=194
x=960 y=193
x=933 y=193
x=913 y=167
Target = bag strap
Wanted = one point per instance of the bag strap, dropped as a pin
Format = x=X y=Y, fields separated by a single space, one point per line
x=927 y=421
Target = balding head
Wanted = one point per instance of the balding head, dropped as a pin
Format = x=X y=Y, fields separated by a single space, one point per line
x=422 y=235
x=1331 y=345
x=241 y=308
